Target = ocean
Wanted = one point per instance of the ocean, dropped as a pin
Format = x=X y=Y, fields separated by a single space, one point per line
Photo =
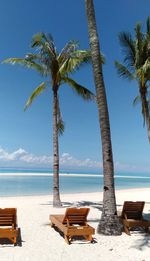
x=38 y=182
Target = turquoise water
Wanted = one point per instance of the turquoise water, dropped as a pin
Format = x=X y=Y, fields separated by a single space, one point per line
x=41 y=185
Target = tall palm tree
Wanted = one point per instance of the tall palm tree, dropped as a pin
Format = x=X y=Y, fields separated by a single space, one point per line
x=109 y=223
x=57 y=66
x=136 y=66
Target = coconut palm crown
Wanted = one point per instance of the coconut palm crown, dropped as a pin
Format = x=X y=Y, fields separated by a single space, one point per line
x=56 y=66
x=136 y=65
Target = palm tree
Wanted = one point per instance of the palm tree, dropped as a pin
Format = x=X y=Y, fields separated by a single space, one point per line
x=58 y=66
x=136 y=66
x=109 y=222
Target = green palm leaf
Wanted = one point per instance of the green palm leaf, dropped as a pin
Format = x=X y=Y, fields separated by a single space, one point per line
x=128 y=47
x=74 y=61
x=79 y=89
x=148 y=26
x=28 y=63
x=139 y=44
x=137 y=66
x=60 y=122
x=123 y=71
x=66 y=52
x=146 y=67
x=45 y=44
x=35 y=93
x=136 y=100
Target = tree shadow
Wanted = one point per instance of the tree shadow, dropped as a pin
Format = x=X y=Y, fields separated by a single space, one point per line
x=64 y=204
x=142 y=242
x=146 y=216
x=78 y=204
x=97 y=205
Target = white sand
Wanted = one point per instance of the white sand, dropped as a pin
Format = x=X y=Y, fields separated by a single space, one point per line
x=40 y=242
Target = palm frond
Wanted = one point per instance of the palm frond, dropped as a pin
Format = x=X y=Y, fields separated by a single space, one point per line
x=136 y=100
x=32 y=57
x=66 y=52
x=79 y=89
x=128 y=47
x=45 y=46
x=146 y=67
x=44 y=43
x=36 y=40
x=123 y=71
x=145 y=103
x=75 y=61
x=35 y=93
x=28 y=64
x=139 y=36
x=137 y=66
x=61 y=127
x=148 y=25
x=60 y=122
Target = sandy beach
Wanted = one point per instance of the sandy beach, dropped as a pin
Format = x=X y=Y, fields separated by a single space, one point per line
x=43 y=243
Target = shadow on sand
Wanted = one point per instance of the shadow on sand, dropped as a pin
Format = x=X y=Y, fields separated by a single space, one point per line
x=7 y=242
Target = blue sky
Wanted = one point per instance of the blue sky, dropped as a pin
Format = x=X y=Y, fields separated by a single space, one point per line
x=26 y=137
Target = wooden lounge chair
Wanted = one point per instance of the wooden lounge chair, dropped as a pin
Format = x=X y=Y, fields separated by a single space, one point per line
x=73 y=223
x=8 y=224
x=132 y=216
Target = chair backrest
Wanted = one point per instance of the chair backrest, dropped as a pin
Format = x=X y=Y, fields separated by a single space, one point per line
x=8 y=217
x=76 y=215
x=133 y=209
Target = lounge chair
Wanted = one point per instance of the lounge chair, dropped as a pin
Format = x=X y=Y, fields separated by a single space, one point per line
x=132 y=216
x=73 y=223
x=8 y=224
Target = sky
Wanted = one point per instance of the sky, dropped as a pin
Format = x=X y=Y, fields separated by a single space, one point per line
x=26 y=137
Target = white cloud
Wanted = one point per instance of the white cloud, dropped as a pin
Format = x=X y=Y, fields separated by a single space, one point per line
x=6 y=156
x=21 y=157
x=30 y=158
x=66 y=160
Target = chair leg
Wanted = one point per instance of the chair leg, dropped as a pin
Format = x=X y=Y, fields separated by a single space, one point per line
x=67 y=239
x=127 y=231
x=15 y=241
x=146 y=229
x=51 y=224
x=89 y=238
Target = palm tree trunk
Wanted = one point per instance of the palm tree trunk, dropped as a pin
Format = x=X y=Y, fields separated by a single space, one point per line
x=56 y=195
x=109 y=223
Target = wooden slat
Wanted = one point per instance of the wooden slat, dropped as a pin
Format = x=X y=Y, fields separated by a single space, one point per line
x=76 y=215
x=130 y=206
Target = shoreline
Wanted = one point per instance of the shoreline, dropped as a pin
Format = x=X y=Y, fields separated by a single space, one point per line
x=85 y=194
x=30 y=174
x=81 y=194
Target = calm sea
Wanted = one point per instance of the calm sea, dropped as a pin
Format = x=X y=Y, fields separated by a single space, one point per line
x=40 y=182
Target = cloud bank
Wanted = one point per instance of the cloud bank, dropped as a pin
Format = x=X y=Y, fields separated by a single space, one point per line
x=22 y=158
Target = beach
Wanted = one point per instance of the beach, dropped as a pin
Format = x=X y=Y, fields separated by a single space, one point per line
x=43 y=243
